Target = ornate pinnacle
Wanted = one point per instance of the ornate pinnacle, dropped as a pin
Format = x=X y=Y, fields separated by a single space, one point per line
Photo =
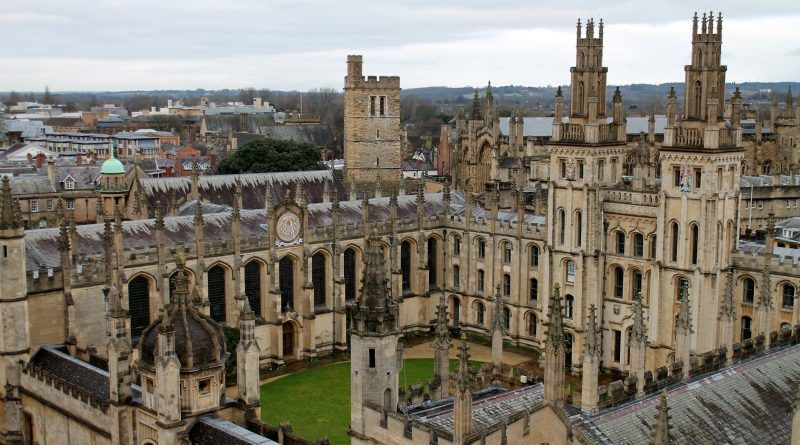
x=661 y=435
x=592 y=342
x=246 y=312
x=463 y=381
x=198 y=213
x=765 y=302
x=555 y=335
x=728 y=310
x=8 y=219
x=638 y=330
x=159 y=218
x=497 y=317
x=684 y=323
x=477 y=113
x=442 y=330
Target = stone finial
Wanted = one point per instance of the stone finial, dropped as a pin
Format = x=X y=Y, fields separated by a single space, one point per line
x=463 y=380
x=555 y=334
x=159 y=218
x=592 y=342
x=559 y=93
x=198 y=213
x=727 y=310
x=684 y=323
x=497 y=313
x=765 y=298
x=8 y=217
x=477 y=112
x=402 y=186
x=247 y=312
x=617 y=95
x=442 y=329
x=638 y=330
x=116 y=310
x=661 y=433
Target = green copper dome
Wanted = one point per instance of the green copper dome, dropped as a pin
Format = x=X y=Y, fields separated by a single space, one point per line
x=112 y=166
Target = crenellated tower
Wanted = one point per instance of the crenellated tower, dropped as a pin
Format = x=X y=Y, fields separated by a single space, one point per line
x=371 y=124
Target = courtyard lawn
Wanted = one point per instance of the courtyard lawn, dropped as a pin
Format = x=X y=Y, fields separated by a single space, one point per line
x=316 y=402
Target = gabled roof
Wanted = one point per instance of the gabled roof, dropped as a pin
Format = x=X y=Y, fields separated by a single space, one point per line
x=748 y=402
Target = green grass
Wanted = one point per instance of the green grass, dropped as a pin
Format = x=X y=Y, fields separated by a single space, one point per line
x=317 y=401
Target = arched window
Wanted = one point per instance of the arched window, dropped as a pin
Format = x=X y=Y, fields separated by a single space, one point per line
x=619 y=282
x=534 y=256
x=506 y=285
x=698 y=98
x=570 y=271
x=432 y=276
x=456 y=312
x=216 y=293
x=481 y=276
x=748 y=290
x=534 y=290
x=480 y=310
x=747 y=326
x=653 y=246
x=139 y=305
x=578 y=229
x=252 y=286
x=674 y=241
x=561 y=224
x=318 y=278
x=788 y=296
x=456 y=245
x=532 y=325
x=636 y=282
x=695 y=237
x=350 y=274
x=405 y=265
x=638 y=245
x=286 y=282
x=506 y=318
x=506 y=252
x=569 y=306
x=481 y=248
x=456 y=276
x=619 y=237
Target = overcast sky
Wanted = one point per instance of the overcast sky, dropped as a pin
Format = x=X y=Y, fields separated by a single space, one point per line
x=302 y=44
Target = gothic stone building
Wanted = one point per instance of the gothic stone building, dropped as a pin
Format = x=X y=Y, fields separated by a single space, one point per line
x=291 y=246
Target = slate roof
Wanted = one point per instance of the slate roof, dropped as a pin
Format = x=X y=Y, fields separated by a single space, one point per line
x=221 y=123
x=748 y=402
x=54 y=360
x=219 y=188
x=543 y=126
x=213 y=430
x=31 y=185
x=487 y=411
x=317 y=134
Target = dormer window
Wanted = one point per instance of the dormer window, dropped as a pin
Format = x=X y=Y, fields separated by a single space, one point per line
x=69 y=184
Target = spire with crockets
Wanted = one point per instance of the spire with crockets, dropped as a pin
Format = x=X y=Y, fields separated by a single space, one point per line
x=9 y=216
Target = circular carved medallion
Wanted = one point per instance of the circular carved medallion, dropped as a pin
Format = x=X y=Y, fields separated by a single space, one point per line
x=288 y=227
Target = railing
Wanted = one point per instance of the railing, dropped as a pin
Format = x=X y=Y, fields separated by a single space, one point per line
x=573 y=133
x=689 y=137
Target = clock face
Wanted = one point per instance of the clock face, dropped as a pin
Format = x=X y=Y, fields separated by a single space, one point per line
x=288 y=227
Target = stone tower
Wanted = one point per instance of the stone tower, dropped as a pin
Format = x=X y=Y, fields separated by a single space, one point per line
x=13 y=313
x=588 y=92
x=371 y=124
x=700 y=161
x=375 y=358
x=705 y=76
